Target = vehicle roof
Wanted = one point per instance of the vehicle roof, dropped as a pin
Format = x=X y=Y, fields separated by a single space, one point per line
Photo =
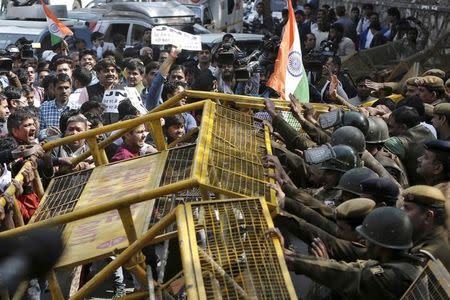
x=16 y=30
x=214 y=38
x=150 y=9
x=38 y=25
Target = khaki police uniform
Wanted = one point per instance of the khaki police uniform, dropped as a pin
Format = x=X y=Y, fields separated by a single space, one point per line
x=436 y=244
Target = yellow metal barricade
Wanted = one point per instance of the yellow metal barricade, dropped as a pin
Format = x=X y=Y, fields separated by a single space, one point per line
x=104 y=210
x=124 y=206
x=432 y=284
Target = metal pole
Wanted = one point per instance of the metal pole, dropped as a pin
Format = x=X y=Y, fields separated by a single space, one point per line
x=125 y=256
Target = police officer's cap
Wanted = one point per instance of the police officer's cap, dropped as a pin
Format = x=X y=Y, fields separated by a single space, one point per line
x=435 y=72
x=380 y=188
x=431 y=82
x=442 y=109
x=413 y=81
x=438 y=146
x=356 y=208
x=424 y=195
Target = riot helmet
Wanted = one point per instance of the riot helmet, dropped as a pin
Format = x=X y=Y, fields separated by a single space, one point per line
x=351 y=180
x=388 y=227
x=378 y=131
x=356 y=119
x=345 y=158
x=350 y=136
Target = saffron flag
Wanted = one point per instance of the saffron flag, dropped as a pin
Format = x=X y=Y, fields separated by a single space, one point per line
x=57 y=28
x=289 y=75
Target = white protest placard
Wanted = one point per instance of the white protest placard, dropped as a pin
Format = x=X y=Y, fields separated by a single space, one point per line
x=135 y=99
x=112 y=99
x=165 y=35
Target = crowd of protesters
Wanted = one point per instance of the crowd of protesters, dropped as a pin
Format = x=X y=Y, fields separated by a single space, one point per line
x=384 y=153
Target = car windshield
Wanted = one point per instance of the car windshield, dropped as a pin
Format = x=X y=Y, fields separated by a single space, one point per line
x=10 y=38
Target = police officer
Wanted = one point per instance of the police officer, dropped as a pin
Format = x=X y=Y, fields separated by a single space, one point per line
x=343 y=243
x=434 y=164
x=351 y=136
x=441 y=120
x=425 y=206
x=388 y=232
x=377 y=135
x=383 y=191
x=431 y=90
x=345 y=159
x=407 y=139
x=350 y=182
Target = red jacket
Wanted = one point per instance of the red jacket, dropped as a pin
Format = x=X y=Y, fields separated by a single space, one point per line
x=28 y=205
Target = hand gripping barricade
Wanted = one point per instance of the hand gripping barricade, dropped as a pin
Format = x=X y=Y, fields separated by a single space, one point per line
x=119 y=208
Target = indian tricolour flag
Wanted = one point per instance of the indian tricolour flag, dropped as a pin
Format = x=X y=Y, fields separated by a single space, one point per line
x=289 y=76
x=57 y=28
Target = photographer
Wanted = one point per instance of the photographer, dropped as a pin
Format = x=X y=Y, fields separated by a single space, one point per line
x=237 y=73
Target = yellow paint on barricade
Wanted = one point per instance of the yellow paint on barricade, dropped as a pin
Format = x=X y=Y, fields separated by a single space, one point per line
x=103 y=234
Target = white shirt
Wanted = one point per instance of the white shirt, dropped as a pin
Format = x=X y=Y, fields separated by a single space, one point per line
x=5 y=179
x=320 y=36
x=369 y=39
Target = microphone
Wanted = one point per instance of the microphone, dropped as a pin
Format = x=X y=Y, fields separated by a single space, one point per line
x=29 y=255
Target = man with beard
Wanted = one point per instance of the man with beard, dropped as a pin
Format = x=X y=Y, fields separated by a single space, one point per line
x=225 y=79
x=51 y=111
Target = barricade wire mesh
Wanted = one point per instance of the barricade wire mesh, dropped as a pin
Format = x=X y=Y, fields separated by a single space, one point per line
x=433 y=284
x=178 y=165
x=236 y=258
x=63 y=195
x=236 y=150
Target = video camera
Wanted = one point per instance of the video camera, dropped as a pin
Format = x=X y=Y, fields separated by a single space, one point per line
x=245 y=66
x=314 y=60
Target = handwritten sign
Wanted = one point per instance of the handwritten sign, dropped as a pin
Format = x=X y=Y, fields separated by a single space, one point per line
x=164 y=35
x=112 y=99
x=102 y=234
